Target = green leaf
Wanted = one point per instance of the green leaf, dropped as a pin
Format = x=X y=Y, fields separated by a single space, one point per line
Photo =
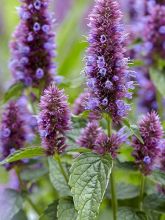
x=57 y=178
x=134 y=130
x=129 y=166
x=10 y=204
x=51 y=212
x=125 y=213
x=79 y=150
x=155 y=202
x=89 y=178
x=24 y=153
x=31 y=174
x=158 y=78
x=158 y=176
x=13 y=92
x=20 y=216
x=126 y=191
x=66 y=210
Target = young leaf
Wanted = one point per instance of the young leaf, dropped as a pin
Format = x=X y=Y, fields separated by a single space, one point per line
x=14 y=92
x=155 y=202
x=24 y=153
x=66 y=210
x=89 y=178
x=51 y=212
x=158 y=78
x=125 y=213
x=158 y=176
x=133 y=129
x=10 y=204
x=57 y=178
x=20 y=216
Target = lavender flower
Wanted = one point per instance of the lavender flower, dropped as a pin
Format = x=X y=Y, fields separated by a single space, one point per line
x=54 y=120
x=162 y=158
x=32 y=47
x=146 y=102
x=89 y=135
x=14 y=129
x=105 y=144
x=106 y=67
x=80 y=106
x=154 y=34
x=80 y=102
x=151 y=132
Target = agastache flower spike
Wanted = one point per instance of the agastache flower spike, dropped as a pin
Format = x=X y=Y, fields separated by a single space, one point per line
x=14 y=129
x=89 y=135
x=33 y=47
x=80 y=106
x=54 y=120
x=106 y=67
x=105 y=144
x=151 y=132
x=154 y=34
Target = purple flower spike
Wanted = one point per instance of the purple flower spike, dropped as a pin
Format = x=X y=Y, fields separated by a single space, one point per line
x=151 y=132
x=89 y=135
x=105 y=144
x=33 y=47
x=105 y=61
x=14 y=129
x=54 y=120
x=154 y=33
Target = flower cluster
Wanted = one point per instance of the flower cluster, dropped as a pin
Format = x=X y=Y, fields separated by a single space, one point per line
x=54 y=120
x=106 y=67
x=105 y=144
x=146 y=102
x=154 y=34
x=89 y=135
x=32 y=47
x=80 y=106
x=146 y=153
x=14 y=129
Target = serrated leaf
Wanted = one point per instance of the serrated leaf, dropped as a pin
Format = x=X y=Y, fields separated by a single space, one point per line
x=51 y=212
x=10 y=204
x=66 y=210
x=158 y=78
x=125 y=213
x=57 y=179
x=158 y=176
x=155 y=202
x=24 y=153
x=13 y=92
x=89 y=178
x=20 y=216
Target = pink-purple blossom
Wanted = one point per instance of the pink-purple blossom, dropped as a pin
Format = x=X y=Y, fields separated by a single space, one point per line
x=32 y=46
x=146 y=153
x=106 y=65
x=54 y=120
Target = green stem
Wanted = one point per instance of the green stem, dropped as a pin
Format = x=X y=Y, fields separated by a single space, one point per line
x=24 y=189
x=112 y=178
x=141 y=195
x=113 y=196
x=58 y=159
x=160 y=104
x=28 y=199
